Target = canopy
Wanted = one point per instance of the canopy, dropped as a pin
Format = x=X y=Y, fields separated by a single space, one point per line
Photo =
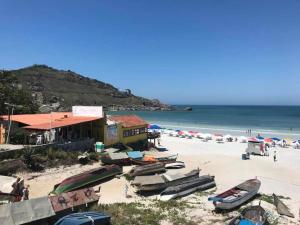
x=85 y=218
x=135 y=154
x=154 y=127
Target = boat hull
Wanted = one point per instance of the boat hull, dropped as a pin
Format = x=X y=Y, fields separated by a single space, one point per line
x=81 y=180
x=188 y=191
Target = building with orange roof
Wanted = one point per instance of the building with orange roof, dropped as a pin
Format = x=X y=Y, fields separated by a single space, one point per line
x=84 y=122
x=58 y=126
x=131 y=128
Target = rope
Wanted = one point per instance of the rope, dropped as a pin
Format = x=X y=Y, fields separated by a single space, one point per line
x=91 y=219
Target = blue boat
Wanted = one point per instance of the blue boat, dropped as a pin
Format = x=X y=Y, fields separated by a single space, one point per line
x=253 y=215
x=85 y=218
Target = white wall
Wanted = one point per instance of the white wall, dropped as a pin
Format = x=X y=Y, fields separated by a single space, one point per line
x=92 y=111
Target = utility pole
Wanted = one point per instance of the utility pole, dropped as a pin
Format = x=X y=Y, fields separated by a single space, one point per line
x=13 y=106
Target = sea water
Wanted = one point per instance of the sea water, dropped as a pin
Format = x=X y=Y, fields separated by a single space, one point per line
x=271 y=121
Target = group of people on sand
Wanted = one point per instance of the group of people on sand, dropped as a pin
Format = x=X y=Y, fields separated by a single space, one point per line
x=21 y=193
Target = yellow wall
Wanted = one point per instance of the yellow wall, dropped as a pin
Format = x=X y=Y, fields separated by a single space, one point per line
x=121 y=139
x=2 y=134
x=134 y=138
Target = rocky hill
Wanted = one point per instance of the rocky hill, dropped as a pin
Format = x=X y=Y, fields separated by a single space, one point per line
x=58 y=90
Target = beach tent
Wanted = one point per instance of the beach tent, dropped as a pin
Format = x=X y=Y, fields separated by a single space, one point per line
x=85 y=218
x=26 y=211
x=135 y=155
x=198 y=135
x=255 y=147
x=206 y=136
x=228 y=137
x=296 y=144
x=242 y=139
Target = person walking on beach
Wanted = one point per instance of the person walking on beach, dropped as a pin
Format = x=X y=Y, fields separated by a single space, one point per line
x=126 y=191
x=275 y=156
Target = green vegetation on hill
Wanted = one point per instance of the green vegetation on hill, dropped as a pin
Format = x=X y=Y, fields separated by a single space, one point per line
x=58 y=90
x=12 y=92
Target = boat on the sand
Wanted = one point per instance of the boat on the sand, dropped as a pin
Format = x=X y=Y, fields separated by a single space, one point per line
x=237 y=195
x=147 y=169
x=282 y=209
x=175 y=165
x=161 y=182
x=86 y=178
x=152 y=159
x=253 y=215
x=198 y=184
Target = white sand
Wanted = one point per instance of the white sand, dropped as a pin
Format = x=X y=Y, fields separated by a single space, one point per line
x=221 y=160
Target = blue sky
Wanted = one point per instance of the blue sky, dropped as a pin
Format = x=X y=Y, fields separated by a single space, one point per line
x=193 y=52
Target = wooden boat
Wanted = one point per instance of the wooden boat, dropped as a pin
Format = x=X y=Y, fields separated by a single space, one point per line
x=198 y=184
x=147 y=169
x=151 y=159
x=118 y=158
x=236 y=196
x=175 y=165
x=161 y=182
x=86 y=178
x=253 y=215
x=282 y=209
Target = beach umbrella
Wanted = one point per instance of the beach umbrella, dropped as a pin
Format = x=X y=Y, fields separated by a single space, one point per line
x=275 y=139
x=260 y=137
x=268 y=140
x=253 y=139
x=154 y=127
x=288 y=141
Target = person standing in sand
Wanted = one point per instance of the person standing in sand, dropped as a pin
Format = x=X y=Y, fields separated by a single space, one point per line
x=275 y=156
x=25 y=193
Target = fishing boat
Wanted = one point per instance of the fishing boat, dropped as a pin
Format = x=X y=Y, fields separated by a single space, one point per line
x=151 y=159
x=175 y=165
x=198 y=184
x=253 y=215
x=282 y=209
x=147 y=169
x=161 y=182
x=237 y=195
x=86 y=178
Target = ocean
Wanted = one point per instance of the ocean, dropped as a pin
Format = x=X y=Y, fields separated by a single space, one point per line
x=271 y=121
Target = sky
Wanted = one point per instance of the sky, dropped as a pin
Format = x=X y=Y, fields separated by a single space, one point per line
x=181 y=52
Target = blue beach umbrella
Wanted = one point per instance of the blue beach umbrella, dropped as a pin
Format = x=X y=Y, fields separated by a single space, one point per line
x=154 y=127
x=275 y=139
x=260 y=138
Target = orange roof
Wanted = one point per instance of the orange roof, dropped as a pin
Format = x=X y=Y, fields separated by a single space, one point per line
x=33 y=119
x=62 y=122
x=48 y=121
x=129 y=120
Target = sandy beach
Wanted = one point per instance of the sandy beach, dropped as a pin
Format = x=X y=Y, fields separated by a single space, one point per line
x=223 y=160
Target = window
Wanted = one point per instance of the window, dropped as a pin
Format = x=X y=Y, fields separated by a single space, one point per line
x=133 y=132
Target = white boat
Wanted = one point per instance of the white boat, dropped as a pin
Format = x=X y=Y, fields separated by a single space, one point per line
x=175 y=165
